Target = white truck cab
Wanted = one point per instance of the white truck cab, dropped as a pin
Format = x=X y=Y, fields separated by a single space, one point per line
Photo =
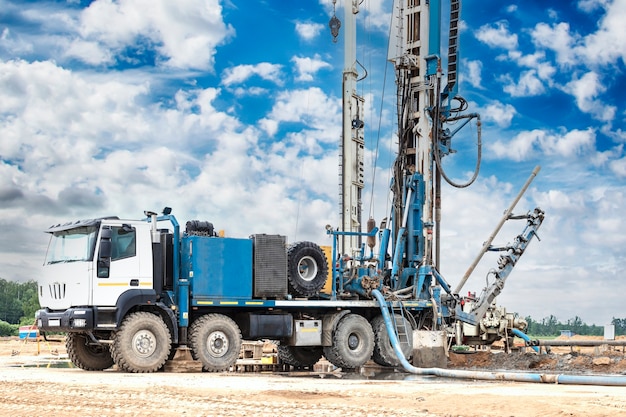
x=93 y=263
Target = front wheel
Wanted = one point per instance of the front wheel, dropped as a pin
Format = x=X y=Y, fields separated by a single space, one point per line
x=142 y=344
x=352 y=343
x=215 y=341
x=90 y=357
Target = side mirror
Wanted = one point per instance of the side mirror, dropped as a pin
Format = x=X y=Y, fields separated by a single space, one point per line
x=105 y=249
x=104 y=256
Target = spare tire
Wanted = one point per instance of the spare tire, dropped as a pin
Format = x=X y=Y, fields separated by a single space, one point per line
x=307 y=268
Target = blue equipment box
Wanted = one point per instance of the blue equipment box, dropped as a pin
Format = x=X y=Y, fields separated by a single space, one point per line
x=217 y=267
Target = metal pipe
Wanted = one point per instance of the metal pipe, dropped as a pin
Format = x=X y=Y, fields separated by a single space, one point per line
x=575 y=342
x=609 y=380
x=504 y=218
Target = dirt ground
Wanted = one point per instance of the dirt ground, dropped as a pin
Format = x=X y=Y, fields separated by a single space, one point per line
x=33 y=384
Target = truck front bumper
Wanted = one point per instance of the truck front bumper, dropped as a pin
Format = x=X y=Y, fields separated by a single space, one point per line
x=70 y=320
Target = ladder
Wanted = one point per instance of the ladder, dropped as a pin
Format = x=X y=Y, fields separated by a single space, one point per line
x=453 y=42
x=400 y=326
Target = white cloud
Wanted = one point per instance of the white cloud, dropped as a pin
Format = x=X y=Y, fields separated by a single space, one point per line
x=528 y=144
x=499 y=113
x=497 y=36
x=519 y=148
x=591 y=5
x=528 y=84
x=306 y=67
x=185 y=33
x=618 y=167
x=572 y=143
x=557 y=38
x=586 y=90
x=608 y=44
x=474 y=69
x=89 y=52
x=308 y=31
x=309 y=106
x=240 y=73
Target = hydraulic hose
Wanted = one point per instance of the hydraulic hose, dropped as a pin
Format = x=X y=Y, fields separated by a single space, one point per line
x=525 y=337
x=609 y=380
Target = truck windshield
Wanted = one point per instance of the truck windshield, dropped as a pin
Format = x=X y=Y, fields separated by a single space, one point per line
x=72 y=245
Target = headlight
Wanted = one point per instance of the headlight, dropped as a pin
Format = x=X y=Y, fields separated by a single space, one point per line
x=79 y=323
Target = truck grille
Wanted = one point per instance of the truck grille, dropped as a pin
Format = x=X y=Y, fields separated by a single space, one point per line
x=57 y=291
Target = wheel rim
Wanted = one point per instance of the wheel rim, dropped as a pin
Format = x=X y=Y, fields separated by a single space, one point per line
x=353 y=341
x=144 y=343
x=217 y=343
x=307 y=268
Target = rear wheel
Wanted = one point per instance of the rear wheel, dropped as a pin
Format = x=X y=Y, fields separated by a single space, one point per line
x=90 y=357
x=300 y=356
x=384 y=354
x=142 y=344
x=307 y=268
x=215 y=341
x=352 y=343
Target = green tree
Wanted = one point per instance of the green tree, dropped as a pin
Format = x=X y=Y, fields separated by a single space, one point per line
x=30 y=302
x=18 y=301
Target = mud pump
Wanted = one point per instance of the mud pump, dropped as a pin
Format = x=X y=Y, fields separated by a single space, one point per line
x=134 y=293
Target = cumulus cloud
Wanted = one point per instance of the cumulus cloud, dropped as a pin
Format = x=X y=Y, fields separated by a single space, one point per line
x=306 y=67
x=308 y=31
x=474 y=69
x=556 y=37
x=499 y=113
x=528 y=84
x=497 y=35
x=586 y=90
x=310 y=106
x=240 y=73
x=527 y=144
x=185 y=34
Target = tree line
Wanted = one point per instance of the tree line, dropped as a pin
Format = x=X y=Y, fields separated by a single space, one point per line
x=551 y=326
x=18 y=304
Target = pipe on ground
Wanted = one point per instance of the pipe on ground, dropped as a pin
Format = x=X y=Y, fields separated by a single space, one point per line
x=609 y=380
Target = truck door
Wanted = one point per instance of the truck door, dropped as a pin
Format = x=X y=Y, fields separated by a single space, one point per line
x=123 y=270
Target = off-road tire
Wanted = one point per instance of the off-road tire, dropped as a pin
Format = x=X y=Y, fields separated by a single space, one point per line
x=307 y=268
x=300 y=356
x=87 y=357
x=215 y=340
x=352 y=343
x=384 y=354
x=142 y=344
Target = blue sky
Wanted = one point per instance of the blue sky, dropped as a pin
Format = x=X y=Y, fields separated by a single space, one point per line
x=230 y=112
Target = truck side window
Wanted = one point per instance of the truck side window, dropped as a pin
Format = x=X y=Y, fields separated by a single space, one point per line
x=124 y=243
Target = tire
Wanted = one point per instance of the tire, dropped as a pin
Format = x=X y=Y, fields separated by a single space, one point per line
x=215 y=340
x=352 y=343
x=86 y=356
x=300 y=356
x=307 y=269
x=384 y=354
x=142 y=344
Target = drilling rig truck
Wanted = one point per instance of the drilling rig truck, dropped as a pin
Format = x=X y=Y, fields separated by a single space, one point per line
x=134 y=292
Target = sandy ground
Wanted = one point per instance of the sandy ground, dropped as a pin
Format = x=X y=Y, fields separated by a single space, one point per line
x=31 y=385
